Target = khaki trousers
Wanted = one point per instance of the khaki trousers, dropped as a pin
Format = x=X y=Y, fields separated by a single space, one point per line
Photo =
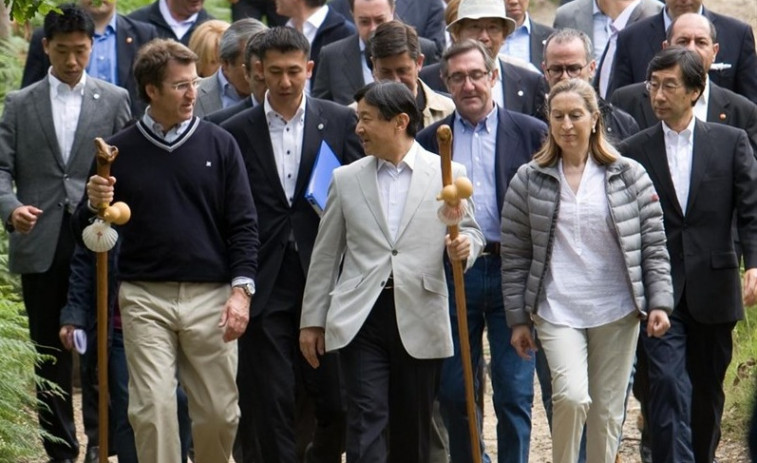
x=172 y=329
x=590 y=370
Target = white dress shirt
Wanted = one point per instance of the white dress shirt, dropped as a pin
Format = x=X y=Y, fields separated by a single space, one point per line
x=701 y=106
x=286 y=139
x=679 y=148
x=66 y=106
x=498 y=95
x=179 y=28
x=394 y=184
x=615 y=27
x=310 y=29
x=586 y=250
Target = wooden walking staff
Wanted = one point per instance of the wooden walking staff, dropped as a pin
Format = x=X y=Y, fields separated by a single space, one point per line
x=454 y=195
x=100 y=238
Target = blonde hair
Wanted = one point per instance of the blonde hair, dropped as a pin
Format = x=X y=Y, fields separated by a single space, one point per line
x=600 y=149
x=205 y=42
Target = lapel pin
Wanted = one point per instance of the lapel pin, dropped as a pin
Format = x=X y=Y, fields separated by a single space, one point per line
x=722 y=116
x=96 y=96
x=320 y=126
x=129 y=40
x=520 y=92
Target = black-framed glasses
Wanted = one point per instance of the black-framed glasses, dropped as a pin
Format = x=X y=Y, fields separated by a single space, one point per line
x=477 y=76
x=573 y=70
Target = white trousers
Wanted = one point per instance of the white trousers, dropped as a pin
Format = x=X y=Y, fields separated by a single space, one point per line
x=590 y=370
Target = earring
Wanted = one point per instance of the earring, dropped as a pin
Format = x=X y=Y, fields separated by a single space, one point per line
x=594 y=129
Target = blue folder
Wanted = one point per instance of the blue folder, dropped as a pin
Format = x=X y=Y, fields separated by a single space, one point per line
x=320 y=178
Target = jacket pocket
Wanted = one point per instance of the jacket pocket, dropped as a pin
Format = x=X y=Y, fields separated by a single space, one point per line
x=434 y=285
x=347 y=285
x=725 y=259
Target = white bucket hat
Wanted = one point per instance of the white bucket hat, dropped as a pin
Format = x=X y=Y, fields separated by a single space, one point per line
x=478 y=9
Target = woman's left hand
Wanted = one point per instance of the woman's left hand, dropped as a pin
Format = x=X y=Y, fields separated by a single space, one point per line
x=658 y=323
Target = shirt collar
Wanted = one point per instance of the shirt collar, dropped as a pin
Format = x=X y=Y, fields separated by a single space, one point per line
x=706 y=92
x=58 y=87
x=270 y=112
x=688 y=132
x=667 y=20
x=488 y=124
x=620 y=22
x=158 y=129
x=226 y=88
x=166 y=13
x=110 y=28
x=407 y=161
x=317 y=18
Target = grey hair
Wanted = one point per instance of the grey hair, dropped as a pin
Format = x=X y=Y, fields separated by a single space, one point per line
x=235 y=38
x=566 y=35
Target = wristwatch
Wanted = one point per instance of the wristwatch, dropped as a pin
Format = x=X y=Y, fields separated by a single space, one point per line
x=248 y=289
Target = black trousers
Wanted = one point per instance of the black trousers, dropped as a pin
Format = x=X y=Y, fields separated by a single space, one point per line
x=273 y=372
x=44 y=296
x=686 y=369
x=386 y=387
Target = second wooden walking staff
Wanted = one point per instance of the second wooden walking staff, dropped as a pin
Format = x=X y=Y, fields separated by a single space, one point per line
x=100 y=238
x=455 y=194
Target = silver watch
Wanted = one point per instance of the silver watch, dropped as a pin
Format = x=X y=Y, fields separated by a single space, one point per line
x=248 y=289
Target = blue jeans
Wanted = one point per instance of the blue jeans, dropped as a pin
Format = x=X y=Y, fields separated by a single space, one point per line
x=512 y=377
x=123 y=435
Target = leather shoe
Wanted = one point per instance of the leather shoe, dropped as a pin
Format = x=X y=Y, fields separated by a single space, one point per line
x=92 y=455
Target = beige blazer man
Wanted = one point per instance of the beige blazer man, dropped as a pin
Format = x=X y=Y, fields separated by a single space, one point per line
x=354 y=227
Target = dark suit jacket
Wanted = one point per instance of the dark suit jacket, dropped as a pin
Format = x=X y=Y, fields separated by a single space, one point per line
x=151 y=14
x=525 y=91
x=130 y=36
x=518 y=138
x=637 y=45
x=426 y=16
x=703 y=261
x=724 y=107
x=340 y=69
x=333 y=28
x=277 y=220
x=539 y=34
x=225 y=114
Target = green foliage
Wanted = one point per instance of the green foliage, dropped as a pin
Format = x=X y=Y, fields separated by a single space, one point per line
x=12 y=55
x=24 y=10
x=741 y=378
x=19 y=433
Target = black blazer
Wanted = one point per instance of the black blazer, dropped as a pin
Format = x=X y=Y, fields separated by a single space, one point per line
x=638 y=43
x=130 y=36
x=222 y=115
x=518 y=138
x=151 y=14
x=538 y=37
x=277 y=220
x=525 y=91
x=340 y=69
x=724 y=107
x=703 y=260
x=333 y=28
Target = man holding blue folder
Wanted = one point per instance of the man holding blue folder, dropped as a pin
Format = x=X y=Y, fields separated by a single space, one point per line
x=280 y=141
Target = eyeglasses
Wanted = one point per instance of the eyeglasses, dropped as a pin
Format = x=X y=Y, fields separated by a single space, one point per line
x=572 y=70
x=475 y=77
x=182 y=87
x=668 y=87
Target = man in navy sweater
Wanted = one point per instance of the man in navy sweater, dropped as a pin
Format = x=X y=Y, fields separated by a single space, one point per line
x=193 y=231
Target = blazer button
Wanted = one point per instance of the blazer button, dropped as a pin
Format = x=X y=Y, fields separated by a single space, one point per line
x=394 y=252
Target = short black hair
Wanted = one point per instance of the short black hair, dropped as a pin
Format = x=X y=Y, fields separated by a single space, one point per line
x=283 y=40
x=391 y=99
x=253 y=49
x=692 y=70
x=71 y=18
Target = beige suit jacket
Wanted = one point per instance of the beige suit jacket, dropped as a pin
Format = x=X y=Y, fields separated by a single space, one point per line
x=354 y=229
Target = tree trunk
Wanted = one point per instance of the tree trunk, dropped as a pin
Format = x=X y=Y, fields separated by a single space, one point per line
x=5 y=22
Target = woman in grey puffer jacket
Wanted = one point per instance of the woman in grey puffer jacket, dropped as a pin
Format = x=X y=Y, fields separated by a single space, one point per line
x=583 y=258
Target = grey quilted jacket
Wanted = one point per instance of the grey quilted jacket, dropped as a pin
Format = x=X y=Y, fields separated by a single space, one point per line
x=529 y=216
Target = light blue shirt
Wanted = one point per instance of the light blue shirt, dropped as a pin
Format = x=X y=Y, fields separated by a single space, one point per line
x=229 y=95
x=518 y=44
x=474 y=147
x=602 y=31
x=103 y=62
